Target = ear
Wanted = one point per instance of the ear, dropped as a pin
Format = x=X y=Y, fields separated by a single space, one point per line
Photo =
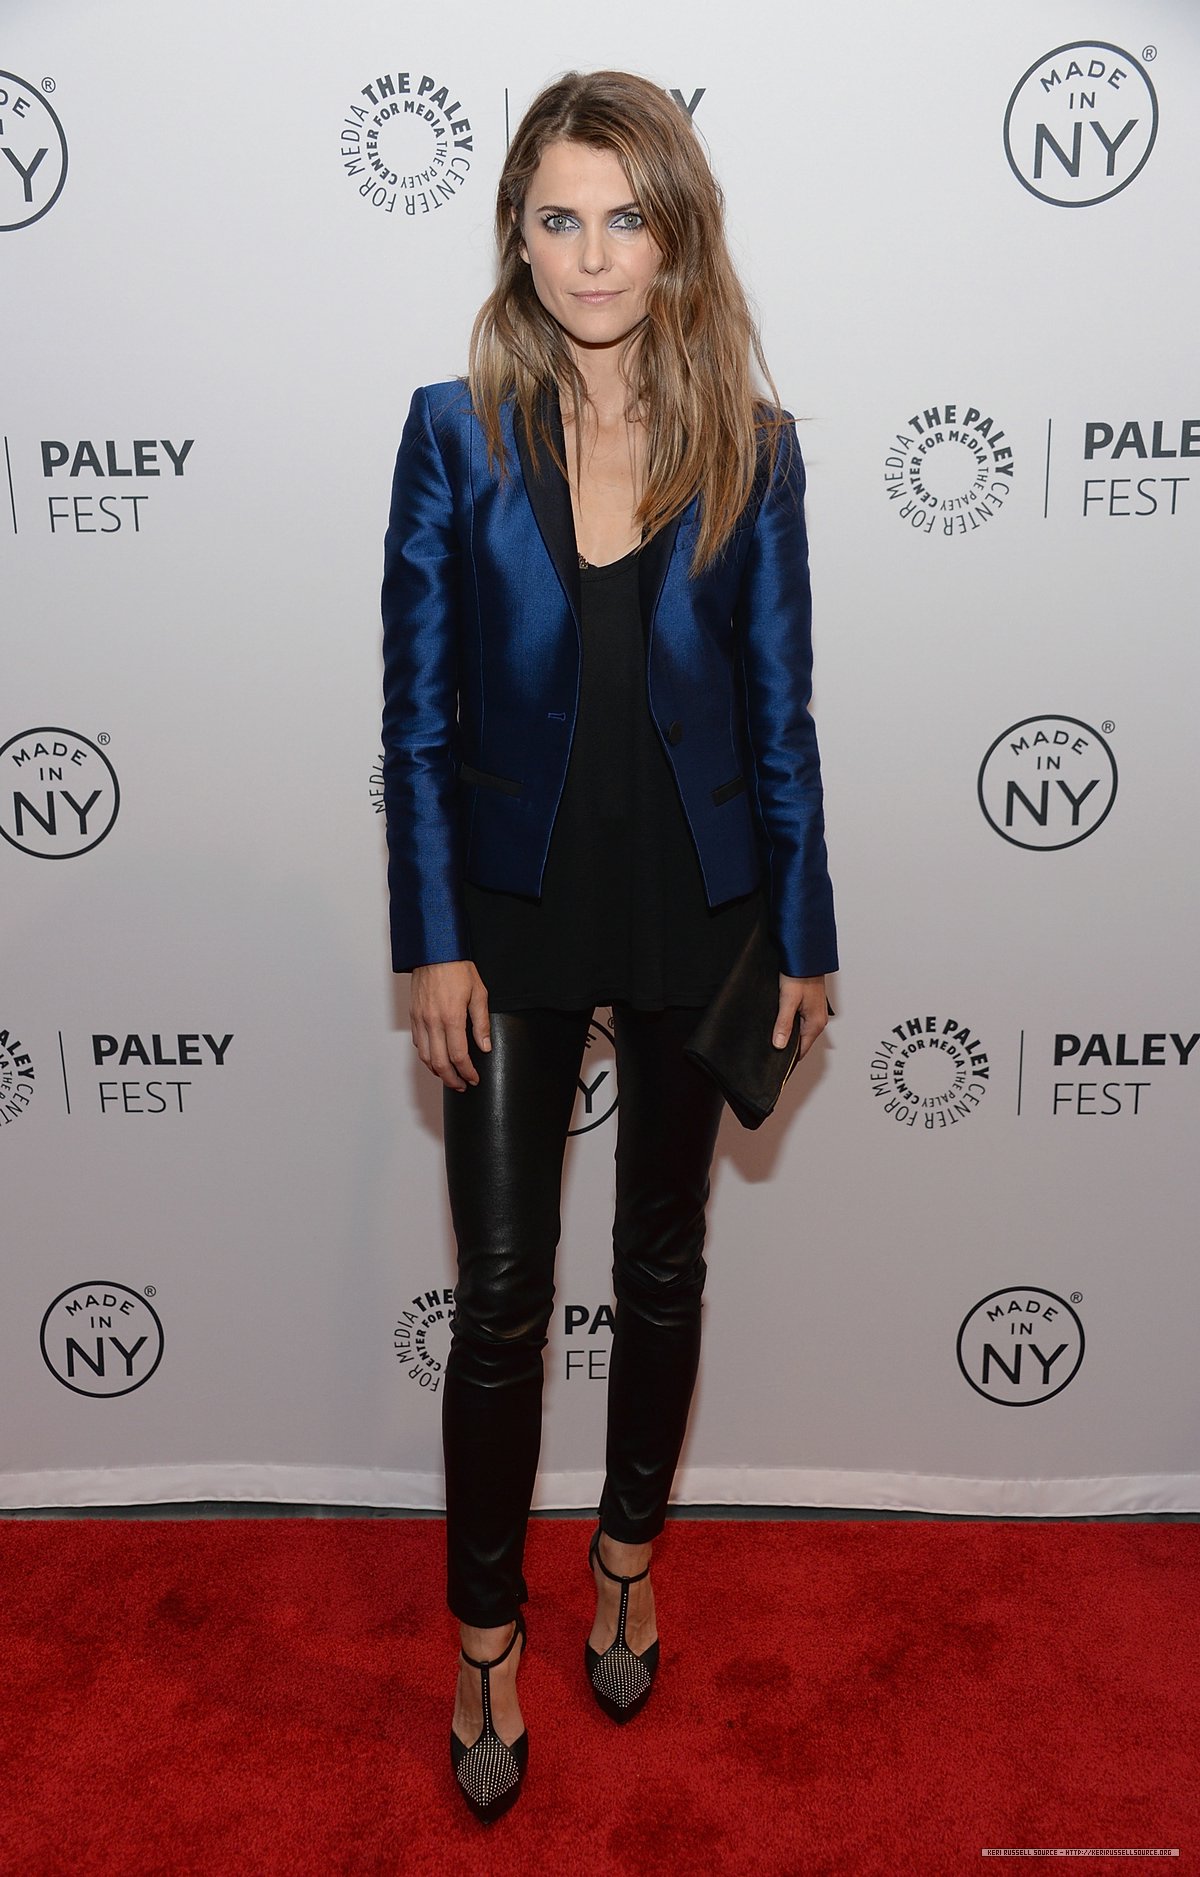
x=524 y=249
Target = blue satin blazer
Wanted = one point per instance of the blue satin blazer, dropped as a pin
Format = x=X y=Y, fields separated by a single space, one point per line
x=481 y=603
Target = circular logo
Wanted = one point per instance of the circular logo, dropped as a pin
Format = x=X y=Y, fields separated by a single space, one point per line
x=33 y=153
x=378 y=801
x=421 y=1338
x=1047 y=782
x=1080 y=124
x=949 y=470
x=1020 y=1345
x=408 y=147
x=101 y=1339
x=930 y=1072
x=16 y=1078
x=597 y=1096
x=59 y=794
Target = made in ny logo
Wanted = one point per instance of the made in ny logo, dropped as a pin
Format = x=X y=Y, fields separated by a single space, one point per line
x=596 y=1099
x=102 y=1339
x=59 y=794
x=1081 y=123
x=1021 y=1345
x=1048 y=782
x=688 y=105
x=33 y=152
x=407 y=148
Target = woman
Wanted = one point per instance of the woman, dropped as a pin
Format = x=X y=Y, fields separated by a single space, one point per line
x=600 y=772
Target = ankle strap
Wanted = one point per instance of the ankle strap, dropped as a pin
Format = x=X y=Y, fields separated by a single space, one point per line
x=612 y=1576
x=518 y=1630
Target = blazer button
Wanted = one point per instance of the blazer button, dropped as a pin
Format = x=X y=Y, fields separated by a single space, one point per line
x=675 y=732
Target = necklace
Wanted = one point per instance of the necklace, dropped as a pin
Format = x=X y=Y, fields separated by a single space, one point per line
x=577 y=490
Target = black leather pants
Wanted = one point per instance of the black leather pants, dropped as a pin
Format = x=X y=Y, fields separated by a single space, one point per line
x=505 y=1138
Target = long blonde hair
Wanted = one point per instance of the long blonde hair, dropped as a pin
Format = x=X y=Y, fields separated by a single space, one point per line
x=706 y=423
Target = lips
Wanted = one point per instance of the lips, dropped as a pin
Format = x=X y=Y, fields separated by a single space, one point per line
x=595 y=299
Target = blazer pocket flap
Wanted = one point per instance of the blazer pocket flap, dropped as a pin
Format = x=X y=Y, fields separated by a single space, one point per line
x=485 y=781
x=728 y=790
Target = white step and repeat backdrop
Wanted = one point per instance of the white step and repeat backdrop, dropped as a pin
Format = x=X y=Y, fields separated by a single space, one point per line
x=958 y=1272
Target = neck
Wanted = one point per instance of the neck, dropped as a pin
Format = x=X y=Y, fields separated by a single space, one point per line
x=607 y=385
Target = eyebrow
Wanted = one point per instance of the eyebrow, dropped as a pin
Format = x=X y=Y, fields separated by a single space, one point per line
x=558 y=208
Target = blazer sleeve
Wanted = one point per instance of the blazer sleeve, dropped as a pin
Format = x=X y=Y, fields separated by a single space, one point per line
x=773 y=617
x=420 y=604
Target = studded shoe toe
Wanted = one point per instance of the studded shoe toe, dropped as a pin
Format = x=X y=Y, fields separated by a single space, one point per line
x=489 y=1772
x=620 y=1680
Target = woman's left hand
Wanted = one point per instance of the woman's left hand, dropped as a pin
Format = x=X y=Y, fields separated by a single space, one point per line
x=806 y=995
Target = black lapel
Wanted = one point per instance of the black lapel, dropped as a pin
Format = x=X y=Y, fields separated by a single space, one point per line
x=550 y=499
x=653 y=562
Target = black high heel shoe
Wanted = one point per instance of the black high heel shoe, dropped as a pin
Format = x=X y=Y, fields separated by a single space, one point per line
x=621 y=1680
x=488 y=1772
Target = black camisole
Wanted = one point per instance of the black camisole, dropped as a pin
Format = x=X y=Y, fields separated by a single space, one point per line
x=622 y=916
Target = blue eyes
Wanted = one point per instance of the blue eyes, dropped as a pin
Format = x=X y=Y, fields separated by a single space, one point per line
x=629 y=221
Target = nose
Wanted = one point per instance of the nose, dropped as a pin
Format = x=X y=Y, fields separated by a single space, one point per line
x=594 y=258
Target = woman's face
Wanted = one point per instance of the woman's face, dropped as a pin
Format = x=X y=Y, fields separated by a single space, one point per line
x=588 y=249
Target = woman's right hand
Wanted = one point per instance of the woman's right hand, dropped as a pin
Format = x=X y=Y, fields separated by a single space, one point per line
x=441 y=998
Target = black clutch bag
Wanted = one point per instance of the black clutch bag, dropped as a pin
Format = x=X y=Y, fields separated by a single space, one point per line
x=732 y=1041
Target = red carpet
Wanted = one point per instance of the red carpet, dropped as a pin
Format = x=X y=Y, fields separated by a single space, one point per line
x=272 y=1696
